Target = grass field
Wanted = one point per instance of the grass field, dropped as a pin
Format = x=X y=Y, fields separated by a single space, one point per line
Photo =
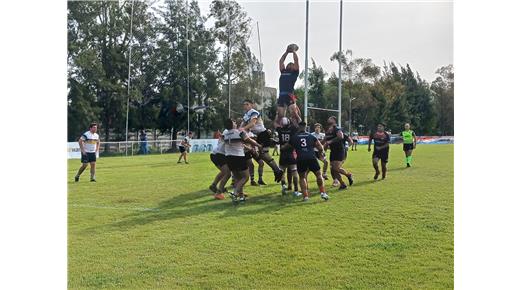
x=149 y=223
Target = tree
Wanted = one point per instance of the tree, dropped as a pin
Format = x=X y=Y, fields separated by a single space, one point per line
x=443 y=93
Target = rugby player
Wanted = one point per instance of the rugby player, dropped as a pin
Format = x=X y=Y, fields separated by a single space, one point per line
x=334 y=140
x=381 y=149
x=306 y=161
x=218 y=157
x=235 y=156
x=320 y=136
x=252 y=121
x=409 y=143
x=89 y=146
x=287 y=157
x=184 y=147
x=286 y=99
x=252 y=153
x=355 y=137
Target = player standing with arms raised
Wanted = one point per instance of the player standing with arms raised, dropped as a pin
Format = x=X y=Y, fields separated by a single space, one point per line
x=409 y=143
x=89 y=146
x=286 y=99
x=381 y=149
x=287 y=159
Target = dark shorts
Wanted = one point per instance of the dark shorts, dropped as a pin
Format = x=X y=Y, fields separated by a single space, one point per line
x=286 y=100
x=338 y=155
x=381 y=154
x=286 y=159
x=218 y=159
x=182 y=149
x=407 y=147
x=355 y=141
x=264 y=139
x=248 y=155
x=88 y=157
x=236 y=163
x=308 y=164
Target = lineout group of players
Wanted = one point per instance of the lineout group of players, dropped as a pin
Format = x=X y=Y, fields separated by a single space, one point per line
x=299 y=149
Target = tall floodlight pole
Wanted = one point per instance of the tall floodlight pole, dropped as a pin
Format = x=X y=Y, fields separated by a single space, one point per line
x=188 y=62
x=229 y=60
x=261 y=67
x=306 y=98
x=128 y=84
x=339 y=60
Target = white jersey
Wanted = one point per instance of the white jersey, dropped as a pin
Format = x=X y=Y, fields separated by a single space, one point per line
x=219 y=149
x=252 y=114
x=186 y=140
x=355 y=135
x=233 y=142
x=320 y=136
x=90 y=141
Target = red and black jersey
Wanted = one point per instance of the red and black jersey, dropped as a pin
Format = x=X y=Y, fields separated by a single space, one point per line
x=331 y=133
x=380 y=138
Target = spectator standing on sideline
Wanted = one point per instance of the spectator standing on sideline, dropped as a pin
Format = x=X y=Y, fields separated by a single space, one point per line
x=144 y=142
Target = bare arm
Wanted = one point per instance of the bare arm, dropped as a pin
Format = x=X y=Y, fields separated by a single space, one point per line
x=252 y=142
x=97 y=145
x=296 y=62
x=338 y=138
x=319 y=146
x=81 y=148
x=251 y=123
x=281 y=63
x=414 y=140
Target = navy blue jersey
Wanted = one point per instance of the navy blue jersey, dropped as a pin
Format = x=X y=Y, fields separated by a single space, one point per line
x=338 y=145
x=303 y=143
x=285 y=134
x=287 y=81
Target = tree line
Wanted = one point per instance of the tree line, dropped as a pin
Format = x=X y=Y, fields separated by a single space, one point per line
x=100 y=37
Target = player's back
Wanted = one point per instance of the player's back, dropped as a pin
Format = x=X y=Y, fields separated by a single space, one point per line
x=285 y=134
x=304 y=144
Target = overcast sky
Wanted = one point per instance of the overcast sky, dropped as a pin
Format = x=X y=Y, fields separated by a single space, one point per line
x=419 y=33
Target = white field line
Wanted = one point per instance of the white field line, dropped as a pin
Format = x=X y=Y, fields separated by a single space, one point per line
x=113 y=207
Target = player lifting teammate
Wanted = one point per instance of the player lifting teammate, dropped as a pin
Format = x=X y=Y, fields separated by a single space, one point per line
x=304 y=144
x=287 y=159
x=252 y=121
x=286 y=99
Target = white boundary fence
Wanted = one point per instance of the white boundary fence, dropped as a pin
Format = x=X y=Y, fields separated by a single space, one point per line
x=137 y=147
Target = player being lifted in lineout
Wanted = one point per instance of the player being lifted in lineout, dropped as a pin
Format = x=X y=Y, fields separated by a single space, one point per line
x=286 y=99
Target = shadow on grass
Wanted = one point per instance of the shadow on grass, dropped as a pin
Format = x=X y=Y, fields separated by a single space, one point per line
x=202 y=203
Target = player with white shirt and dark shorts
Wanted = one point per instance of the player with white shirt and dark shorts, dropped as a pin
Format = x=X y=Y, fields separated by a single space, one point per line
x=235 y=157
x=218 y=157
x=252 y=121
x=184 y=147
x=321 y=137
x=89 y=146
x=287 y=160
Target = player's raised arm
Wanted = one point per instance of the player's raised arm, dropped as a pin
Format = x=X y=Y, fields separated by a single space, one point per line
x=296 y=62
x=281 y=63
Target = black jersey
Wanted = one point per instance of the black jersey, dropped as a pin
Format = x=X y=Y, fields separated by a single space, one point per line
x=286 y=82
x=284 y=135
x=337 y=145
x=304 y=143
x=380 y=138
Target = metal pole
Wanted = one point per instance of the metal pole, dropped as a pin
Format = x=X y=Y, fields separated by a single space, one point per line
x=128 y=84
x=261 y=68
x=339 y=60
x=188 y=63
x=228 y=61
x=306 y=98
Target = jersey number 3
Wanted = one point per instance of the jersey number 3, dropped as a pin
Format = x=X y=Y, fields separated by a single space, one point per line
x=304 y=142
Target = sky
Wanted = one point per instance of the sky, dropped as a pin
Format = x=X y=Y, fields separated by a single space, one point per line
x=418 y=33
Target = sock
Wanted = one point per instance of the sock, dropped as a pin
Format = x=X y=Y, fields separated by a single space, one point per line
x=260 y=173
x=410 y=159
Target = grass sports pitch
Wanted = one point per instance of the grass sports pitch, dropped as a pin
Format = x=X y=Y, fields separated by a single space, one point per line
x=149 y=223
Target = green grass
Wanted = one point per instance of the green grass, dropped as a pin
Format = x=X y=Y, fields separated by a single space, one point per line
x=149 y=223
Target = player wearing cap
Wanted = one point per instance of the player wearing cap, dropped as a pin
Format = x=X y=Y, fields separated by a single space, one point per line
x=286 y=99
x=218 y=157
x=306 y=161
x=235 y=157
x=287 y=157
x=252 y=121
x=381 y=149
x=89 y=146
x=184 y=147
x=321 y=137
x=334 y=140
x=409 y=143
